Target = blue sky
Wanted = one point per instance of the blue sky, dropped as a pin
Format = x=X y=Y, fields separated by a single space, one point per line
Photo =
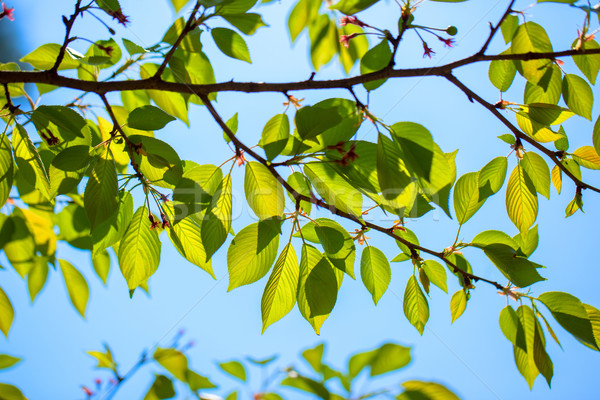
x=471 y=356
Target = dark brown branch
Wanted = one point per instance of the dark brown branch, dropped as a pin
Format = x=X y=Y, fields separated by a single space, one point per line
x=334 y=210
x=254 y=87
x=520 y=135
x=495 y=28
x=68 y=26
x=190 y=25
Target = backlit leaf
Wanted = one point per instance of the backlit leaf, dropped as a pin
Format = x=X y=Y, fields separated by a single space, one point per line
x=77 y=287
x=263 y=192
x=416 y=307
x=139 y=250
x=375 y=272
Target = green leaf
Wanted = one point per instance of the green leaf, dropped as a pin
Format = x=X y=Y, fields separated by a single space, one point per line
x=232 y=124
x=108 y=232
x=512 y=328
x=10 y=392
x=375 y=272
x=527 y=241
x=587 y=157
x=235 y=369
x=100 y=196
x=392 y=174
x=466 y=197
x=492 y=176
x=263 y=191
x=589 y=64
x=158 y=161
x=458 y=304
x=195 y=190
x=7 y=313
x=537 y=170
x=44 y=57
x=509 y=27
x=303 y=12
x=312 y=121
x=148 y=118
x=307 y=385
x=133 y=48
x=502 y=73
x=596 y=135
x=556 y=176
x=416 y=307
x=197 y=381
x=173 y=361
x=337 y=244
x=29 y=162
x=139 y=250
x=7 y=170
x=231 y=44
x=521 y=199
x=578 y=95
x=572 y=315
x=67 y=169
x=417 y=146
x=279 y=296
x=101 y=264
x=487 y=238
x=548 y=90
x=247 y=23
x=317 y=287
x=162 y=388
x=186 y=236
x=217 y=221
x=301 y=185
x=76 y=286
x=20 y=248
x=275 y=135
x=436 y=274
x=174 y=104
x=7 y=361
x=376 y=59
x=324 y=40
x=525 y=358
x=314 y=356
x=333 y=188
x=37 y=277
x=350 y=7
x=389 y=357
x=519 y=270
x=265 y=361
x=252 y=253
x=417 y=390
x=531 y=37
x=105 y=359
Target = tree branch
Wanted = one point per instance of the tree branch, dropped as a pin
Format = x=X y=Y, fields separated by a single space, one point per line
x=189 y=26
x=334 y=210
x=472 y=95
x=68 y=26
x=49 y=78
x=495 y=28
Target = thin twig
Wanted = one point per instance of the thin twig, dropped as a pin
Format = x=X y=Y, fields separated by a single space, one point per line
x=68 y=26
x=190 y=25
x=495 y=28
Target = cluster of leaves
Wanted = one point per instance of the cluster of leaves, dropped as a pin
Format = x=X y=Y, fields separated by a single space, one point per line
x=172 y=374
x=80 y=174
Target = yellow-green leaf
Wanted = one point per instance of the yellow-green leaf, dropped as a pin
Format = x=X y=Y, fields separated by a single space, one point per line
x=7 y=313
x=252 y=253
x=521 y=199
x=375 y=272
x=76 y=285
x=458 y=304
x=100 y=196
x=416 y=307
x=587 y=157
x=279 y=296
x=29 y=162
x=263 y=192
x=139 y=250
